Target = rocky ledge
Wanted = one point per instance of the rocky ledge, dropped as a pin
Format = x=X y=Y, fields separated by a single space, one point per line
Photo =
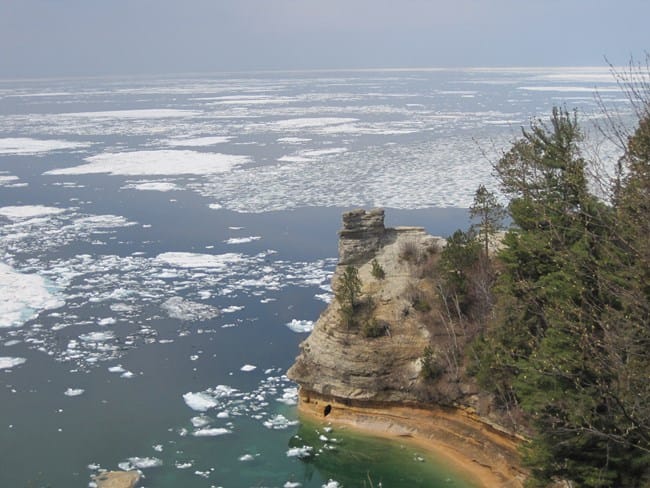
x=346 y=373
x=117 y=479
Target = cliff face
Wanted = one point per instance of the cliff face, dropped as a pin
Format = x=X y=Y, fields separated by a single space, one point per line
x=342 y=362
x=377 y=382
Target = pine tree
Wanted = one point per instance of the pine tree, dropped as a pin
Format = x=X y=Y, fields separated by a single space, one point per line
x=347 y=292
x=490 y=214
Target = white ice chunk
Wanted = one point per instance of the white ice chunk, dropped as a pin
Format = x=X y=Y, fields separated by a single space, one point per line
x=311 y=122
x=195 y=260
x=279 y=422
x=27 y=145
x=301 y=325
x=199 y=401
x=146 y=113
x=212 y=432
x=23 y=297
x=181 y=309
x=97 y=336
x=332 y=484
x=72 y=392
x=300 y=452
x=153 y=186
x=9 y=362
x=242 y=240
x=163 y=162
x=248 y=367
x=197 y=141
x=20 y=212
x=145 y=463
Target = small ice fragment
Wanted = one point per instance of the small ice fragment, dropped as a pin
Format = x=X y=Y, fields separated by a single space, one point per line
x=211 y=432
x=9 y=362
x=199 y=401
x=72 y=392
x=300 y=452
x=144 y=463
x=248 y=367
x=301 y=325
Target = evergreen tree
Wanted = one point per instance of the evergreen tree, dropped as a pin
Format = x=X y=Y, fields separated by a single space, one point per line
x=347 y=292
x=490 y=214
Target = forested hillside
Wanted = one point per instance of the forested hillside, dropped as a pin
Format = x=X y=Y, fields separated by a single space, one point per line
x=565 y=342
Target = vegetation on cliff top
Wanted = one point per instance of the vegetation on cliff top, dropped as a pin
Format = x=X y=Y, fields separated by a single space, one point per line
x=567 y=339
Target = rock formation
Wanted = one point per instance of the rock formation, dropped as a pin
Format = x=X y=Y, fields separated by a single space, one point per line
x=117 y=479
x=376 y=379
x=336 y=362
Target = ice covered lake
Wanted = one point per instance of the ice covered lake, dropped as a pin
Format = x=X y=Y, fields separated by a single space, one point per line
x=166 y=243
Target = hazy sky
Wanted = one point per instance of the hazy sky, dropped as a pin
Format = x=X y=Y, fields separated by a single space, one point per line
x=95 y=37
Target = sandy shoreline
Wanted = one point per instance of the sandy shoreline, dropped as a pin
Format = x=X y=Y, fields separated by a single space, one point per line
x=488 y=458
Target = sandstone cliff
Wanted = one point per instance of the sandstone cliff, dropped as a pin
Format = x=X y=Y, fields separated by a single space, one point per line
x=338 y=361
x=347 y=374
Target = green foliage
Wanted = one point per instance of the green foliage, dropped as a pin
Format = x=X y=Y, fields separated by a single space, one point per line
x=490 y=214
x=457 y=261
x=347 y=292
x=373 y=328
x=569 y=339
x=377 y=271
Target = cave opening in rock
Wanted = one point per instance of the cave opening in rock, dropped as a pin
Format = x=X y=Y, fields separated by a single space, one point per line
x=327 y=410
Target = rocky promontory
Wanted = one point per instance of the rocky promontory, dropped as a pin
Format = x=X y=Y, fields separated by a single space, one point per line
x=368 y=372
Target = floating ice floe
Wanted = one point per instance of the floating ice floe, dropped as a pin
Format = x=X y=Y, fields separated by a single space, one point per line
x=211 y=432
x=301 y=326
x=27 y=145
x=23 y=297
x=279 y=422
x=289 y=396
x=300 y=452
x=200 y=421
x=247 y=368
x=181 y=309
x=292 y=484
x=73 y=392
x=162 y=162
x=145 y=113
x=140 y=463
x=195 y=260
x=20 y=212
x=153 y=186
x=246 y=458
x=242 y=240
x=201 y=402
x=196 y=141
x=332 y=484
x=9 y=362
x=98 y=336
x=310 y=123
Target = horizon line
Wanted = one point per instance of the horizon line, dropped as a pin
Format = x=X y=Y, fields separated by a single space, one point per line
x=422 y=69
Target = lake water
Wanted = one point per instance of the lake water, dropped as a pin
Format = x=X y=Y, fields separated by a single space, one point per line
x=166 y=243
